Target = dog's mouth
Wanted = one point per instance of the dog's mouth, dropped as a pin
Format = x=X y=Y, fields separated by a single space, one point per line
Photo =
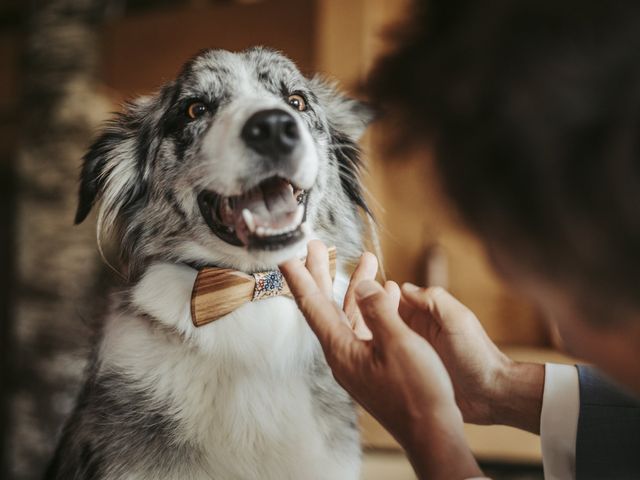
x=270 y=216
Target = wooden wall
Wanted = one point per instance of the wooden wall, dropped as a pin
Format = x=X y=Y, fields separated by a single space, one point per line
x=143 y=51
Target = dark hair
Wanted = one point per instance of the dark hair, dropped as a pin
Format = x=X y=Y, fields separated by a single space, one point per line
x=533 y=110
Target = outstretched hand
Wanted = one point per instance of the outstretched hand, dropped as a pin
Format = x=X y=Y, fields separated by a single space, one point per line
x=393 y=372
x=490 y=388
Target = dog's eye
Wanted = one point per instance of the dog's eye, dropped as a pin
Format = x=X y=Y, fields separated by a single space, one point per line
x=196 y=109
x=298 y=102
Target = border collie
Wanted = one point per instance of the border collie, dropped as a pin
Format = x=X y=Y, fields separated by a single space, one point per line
x=237 y=163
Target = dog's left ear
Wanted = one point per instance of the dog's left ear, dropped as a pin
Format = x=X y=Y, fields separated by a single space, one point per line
x=348 y=119
x=347 y=116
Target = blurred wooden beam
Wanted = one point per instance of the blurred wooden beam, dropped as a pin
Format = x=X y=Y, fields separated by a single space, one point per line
x=56 y=266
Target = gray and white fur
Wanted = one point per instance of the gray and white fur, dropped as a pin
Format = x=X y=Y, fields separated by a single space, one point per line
x=248 y=396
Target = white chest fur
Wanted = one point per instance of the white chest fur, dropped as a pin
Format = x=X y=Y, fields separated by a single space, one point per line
x=239 y=387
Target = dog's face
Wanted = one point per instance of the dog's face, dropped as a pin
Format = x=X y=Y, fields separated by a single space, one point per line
x=236 y=163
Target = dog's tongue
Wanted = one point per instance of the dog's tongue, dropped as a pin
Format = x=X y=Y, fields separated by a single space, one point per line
x=272 y=206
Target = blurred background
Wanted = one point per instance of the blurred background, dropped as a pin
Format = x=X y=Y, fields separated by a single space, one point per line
x=64 y=66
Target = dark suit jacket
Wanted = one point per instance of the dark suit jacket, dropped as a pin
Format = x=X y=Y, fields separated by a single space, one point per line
x=608 y=442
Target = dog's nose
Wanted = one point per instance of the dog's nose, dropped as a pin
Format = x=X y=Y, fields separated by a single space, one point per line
x=271 y=132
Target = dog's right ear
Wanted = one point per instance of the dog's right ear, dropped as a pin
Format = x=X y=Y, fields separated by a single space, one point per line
x=116 y=166
x=91 y=175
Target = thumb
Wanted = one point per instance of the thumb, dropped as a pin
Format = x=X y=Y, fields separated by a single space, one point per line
x=379 y=309
x=441 y=306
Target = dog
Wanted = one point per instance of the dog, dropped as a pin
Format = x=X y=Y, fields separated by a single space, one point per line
x=236 y=163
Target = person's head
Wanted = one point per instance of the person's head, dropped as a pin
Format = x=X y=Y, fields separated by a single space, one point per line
x=533 y=110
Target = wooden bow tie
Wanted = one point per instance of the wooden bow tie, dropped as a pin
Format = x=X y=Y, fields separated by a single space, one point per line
x=219 y=291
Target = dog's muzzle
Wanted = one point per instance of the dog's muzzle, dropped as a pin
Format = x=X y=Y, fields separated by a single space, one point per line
x=271 y=213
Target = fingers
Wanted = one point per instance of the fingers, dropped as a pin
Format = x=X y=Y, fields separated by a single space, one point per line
x=366 y=269
x=324 y=318
x=379 y=309
x=407 y=309
x=443 y=307
x=393 y=290
x=318 y=265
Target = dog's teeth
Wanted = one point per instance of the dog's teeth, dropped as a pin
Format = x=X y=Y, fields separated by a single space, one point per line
x=248 y=220
x=263 y=231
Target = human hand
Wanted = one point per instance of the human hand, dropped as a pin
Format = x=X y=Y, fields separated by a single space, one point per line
x=390 y=370
x=489 y=387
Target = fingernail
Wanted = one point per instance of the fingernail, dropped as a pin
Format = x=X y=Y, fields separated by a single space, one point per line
x=410 y=287
x=366 y=288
